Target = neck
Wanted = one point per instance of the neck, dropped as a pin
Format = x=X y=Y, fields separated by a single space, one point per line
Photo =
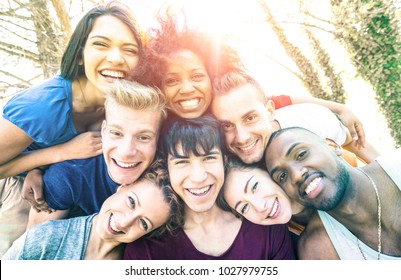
x=210 y=217
x=101 y=249
x=86 y=96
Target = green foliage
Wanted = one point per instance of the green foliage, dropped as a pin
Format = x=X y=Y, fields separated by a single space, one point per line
x=370 y=29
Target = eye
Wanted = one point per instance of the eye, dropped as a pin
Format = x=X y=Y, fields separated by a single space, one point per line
x=209 y=158
x=115 y=133
x=131 y=51
x=251 y=118
x=100 y=44
x=198 y=77
x=171 y=82
x=144 y=138
x=282 y=177
x=181 y=162
x=226 y=126
x=301 y=155
x=255 y=187
x=244 y=209
x=144 y=224
x=132 y=201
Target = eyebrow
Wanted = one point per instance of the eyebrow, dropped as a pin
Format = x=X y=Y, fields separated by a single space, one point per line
x=245 y=190
x=139 y=204
x=292 y=147
x=108 y=39
x=117 y=126
x=172 y=157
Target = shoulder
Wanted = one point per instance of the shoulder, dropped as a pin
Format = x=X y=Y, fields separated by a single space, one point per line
x=314 y=242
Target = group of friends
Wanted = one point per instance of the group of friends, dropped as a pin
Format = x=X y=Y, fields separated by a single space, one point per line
x=164 y=147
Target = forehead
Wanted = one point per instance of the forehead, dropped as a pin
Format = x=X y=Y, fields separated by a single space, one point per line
x=283 y=144
x=107 y=25
x=117 y=114
x=245 y=99
x=186 y=58
x=149 y=195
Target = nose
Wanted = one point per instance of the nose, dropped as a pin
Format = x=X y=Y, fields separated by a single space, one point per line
x=127 y=219
x=198 y=172
x=297 y=173
x=115 y=57
x=259 y=204
x=241 y=134
x=187 y=86
x=127 y=147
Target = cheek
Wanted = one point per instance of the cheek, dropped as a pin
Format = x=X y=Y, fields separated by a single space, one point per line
x=132 y=62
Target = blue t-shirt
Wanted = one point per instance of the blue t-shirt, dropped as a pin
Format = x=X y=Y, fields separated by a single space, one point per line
x=81 y=182
x=44 y=112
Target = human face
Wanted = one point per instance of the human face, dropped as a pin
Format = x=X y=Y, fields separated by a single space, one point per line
x=133 y=211
x=187 y=85
x=197 y=179
x=129 y=141
x=109 y=55
x=246 y=122
x=253 y=194
x=307 y=169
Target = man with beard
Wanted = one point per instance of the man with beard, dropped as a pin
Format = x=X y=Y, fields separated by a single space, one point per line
x=359 y=209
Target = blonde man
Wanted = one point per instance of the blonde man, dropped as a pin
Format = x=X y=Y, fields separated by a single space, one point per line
x=134 y=114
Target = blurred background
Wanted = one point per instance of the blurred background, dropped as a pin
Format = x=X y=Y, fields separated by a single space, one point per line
x=345 y=51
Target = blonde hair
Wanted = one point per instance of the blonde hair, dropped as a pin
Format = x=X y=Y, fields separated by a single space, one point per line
x=137 y=96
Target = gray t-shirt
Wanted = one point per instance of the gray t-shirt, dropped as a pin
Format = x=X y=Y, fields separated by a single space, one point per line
x=53 y=240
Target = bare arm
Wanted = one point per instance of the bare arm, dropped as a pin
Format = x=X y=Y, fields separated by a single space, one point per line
x=84 y=145
x=348 y=118
x=314 y=243
x=40 y=217
x=32 y=191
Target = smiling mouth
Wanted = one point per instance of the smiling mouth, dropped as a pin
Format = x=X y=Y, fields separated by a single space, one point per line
x=113 y=74
x=112 y=225
x=247 y=148
x=126 y=165
x=201 y=191
x=312 y=185
x=274 y=208
x=189 y=104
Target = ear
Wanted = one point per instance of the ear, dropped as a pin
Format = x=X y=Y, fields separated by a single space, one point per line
x=103 y=127
x=270 y=107
x=334 y=146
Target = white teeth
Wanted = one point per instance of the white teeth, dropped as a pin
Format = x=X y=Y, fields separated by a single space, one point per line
x=274 y=209
x=113 y=74
x=312 y=185
x=244 y=149
x=126 y=165
x=190 y=103
x=199 y=191
x=113 y=225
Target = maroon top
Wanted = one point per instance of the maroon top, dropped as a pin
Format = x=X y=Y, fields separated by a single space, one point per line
x=253 y=242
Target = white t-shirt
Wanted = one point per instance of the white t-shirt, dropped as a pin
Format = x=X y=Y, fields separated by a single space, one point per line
x=313 y=117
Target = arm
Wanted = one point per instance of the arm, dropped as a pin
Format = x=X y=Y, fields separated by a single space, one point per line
x=84 y=145
x=314 y=243
x=32 y=191
x=347 y=117
x=40 y=217
x=367 y=154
